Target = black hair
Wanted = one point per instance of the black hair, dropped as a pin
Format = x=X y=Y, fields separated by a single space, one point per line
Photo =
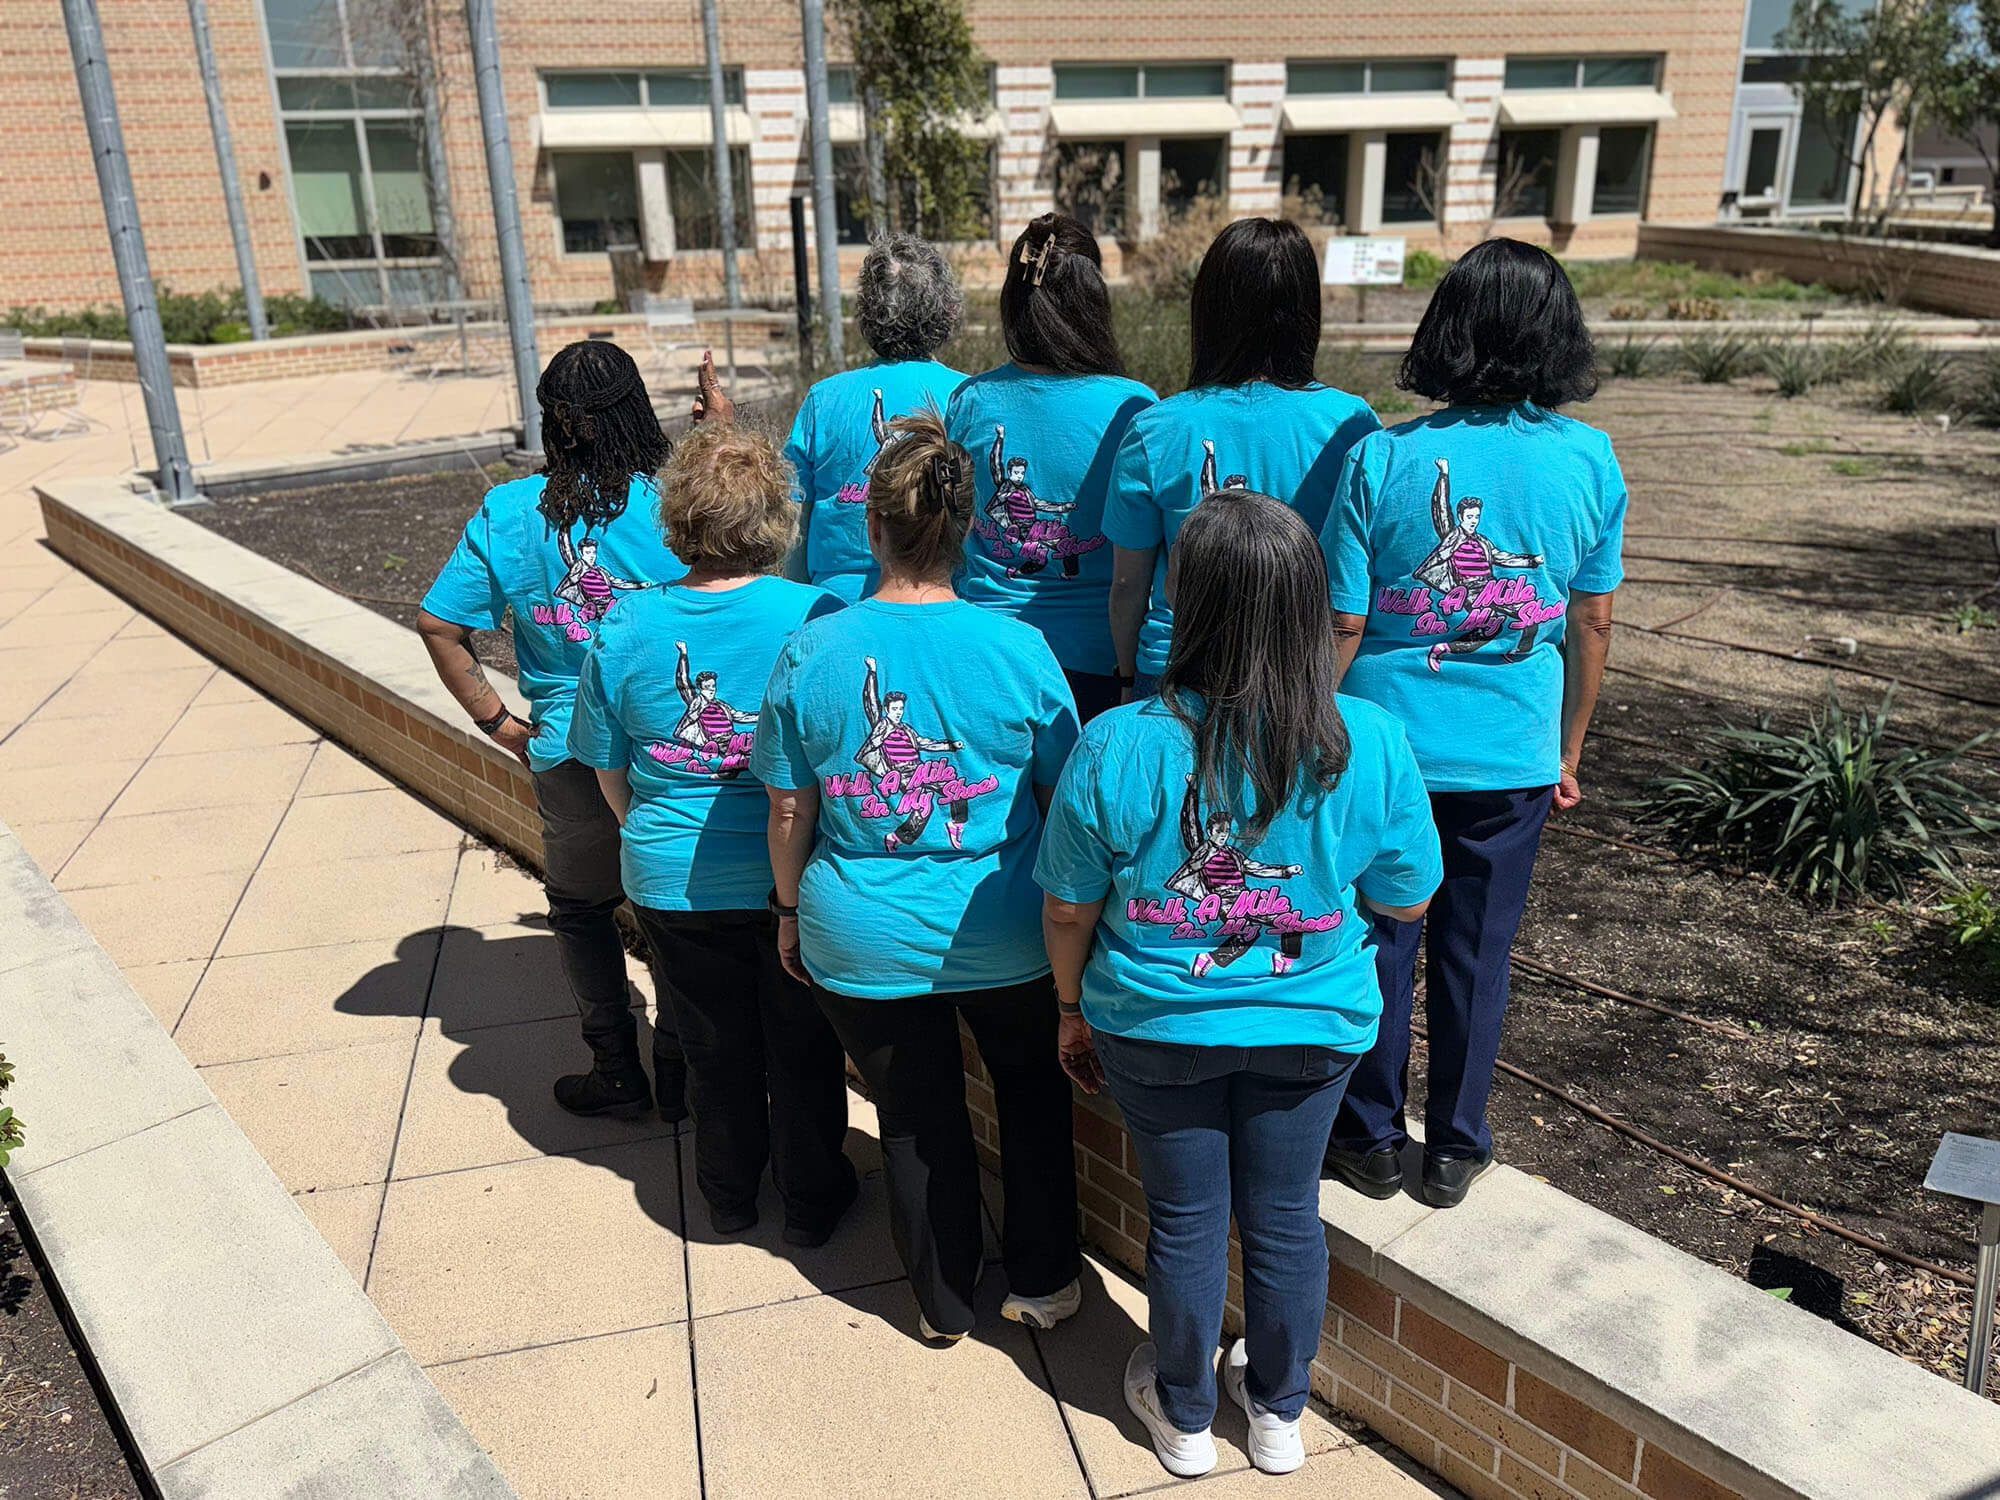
x=1255 y=310
x=1055 y=310
x=1253 y=641
x=1503 y=326
x=598 y=430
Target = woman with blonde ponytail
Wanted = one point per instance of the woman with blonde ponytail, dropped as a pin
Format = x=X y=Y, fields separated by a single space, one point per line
x=909 y=744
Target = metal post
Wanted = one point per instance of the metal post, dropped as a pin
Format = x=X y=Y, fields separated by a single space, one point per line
x=128 y=249
x=506 y=216
x=225 y=161
x=1979 y=1344
x=725 y=185
x=812 y=17
x=802 y=297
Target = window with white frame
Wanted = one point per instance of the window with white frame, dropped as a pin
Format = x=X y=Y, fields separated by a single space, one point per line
x=657 y=88
x=1197 y=80
x=1624 y=153
x=1396 y=75
x=1612 y=72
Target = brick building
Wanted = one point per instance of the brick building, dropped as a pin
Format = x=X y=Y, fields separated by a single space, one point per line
x=1555 y=120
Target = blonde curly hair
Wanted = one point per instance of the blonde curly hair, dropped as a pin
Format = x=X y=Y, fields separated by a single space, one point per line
x=726 y=501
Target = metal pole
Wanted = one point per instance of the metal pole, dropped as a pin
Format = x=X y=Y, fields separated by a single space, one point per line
x=506 y=216
x=813 y=19
x=128 y=249
x=1979 y=1344
x=225 y=161
x=802 y=297
x=725 y=186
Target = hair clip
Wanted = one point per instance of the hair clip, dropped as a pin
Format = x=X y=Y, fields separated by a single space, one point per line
x=1040 y=260
x=945 y=471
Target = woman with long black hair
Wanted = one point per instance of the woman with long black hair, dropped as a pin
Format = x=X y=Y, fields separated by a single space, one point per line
x=558 y=550
x=1043 y=428
x=1211 y=861
x=1253 y=417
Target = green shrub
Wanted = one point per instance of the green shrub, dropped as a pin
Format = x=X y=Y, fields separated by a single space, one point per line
x=1655 y=281
x=11 y=1134
x=1796 y=365
x=1967 y=618
x=1974 y=916
x=216 y=317
x=1631 y=359
x=1921 y=382
x=1715 y=358
x=1828 y=810
x=1981 y=396
x=1424 y=268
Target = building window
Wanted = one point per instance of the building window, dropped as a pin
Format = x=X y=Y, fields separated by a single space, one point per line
x=1090 y=185
x=1582 y=73
x=1191 y=167
x=691 y=197
x=597 y=199
x=662 y=88
x=1412 y=177
x=1151 y=81
x=1822 y=164
x=840 y=85
x=1380 y=76
x=1314 y=174
x=1622 y=153
x=353 y=125
x=1524 y=184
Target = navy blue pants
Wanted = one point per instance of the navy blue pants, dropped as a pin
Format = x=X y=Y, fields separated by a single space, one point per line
x=1489 y=841
x=1218 y=1129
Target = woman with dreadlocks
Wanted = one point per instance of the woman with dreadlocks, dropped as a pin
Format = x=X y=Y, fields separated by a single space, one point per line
x=558 y=550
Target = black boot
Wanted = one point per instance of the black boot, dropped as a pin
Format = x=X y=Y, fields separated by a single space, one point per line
x=670 y=1077
x=1378 y=1174
x=1447 y=1179
x=623 y=1094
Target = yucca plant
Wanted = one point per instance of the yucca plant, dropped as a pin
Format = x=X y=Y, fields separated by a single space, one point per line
x=1715 y=358
x=1631 y=359
x=1795 y=365
x=1982 y=389
x=1829 y=810
x=1921 y=382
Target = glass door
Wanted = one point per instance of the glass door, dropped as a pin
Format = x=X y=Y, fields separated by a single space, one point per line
x=1766 y=157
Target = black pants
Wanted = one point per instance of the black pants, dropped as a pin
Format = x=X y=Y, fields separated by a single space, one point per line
x=908 y=1053
x=580 y=858
x=1094 y=692
x=766 y=1081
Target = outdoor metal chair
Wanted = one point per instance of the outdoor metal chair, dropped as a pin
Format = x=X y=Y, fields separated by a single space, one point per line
x=55 y=423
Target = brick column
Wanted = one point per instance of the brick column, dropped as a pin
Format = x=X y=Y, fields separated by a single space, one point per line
x=1256 y=155
x=1025 y=185
x=1469 y=156
x=776 y=98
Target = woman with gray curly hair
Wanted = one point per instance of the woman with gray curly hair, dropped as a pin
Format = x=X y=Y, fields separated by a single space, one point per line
x=907 y=304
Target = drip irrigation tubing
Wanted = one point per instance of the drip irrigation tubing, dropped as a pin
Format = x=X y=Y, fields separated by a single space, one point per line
x=1727 y=1179
x=1806 y=599
x=1916 y=683
x=1589 y=987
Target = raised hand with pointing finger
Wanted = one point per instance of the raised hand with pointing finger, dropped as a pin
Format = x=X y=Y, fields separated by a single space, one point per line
x=710 y=403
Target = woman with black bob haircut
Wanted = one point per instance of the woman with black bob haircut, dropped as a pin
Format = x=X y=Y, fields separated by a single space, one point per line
x=1253 y=417
x=1473 y=554
x=1207 y=861
x=558 y=550
x=1043 y=429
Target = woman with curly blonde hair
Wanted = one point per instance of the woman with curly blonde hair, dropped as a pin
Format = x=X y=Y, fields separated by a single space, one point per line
x=666 y=710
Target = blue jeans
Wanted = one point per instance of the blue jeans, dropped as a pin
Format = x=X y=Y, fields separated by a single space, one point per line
x=1489 y=842
x=1216 y=1129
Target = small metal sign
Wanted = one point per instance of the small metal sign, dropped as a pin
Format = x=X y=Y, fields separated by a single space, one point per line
x=1355 y=260
x=1966 y=1167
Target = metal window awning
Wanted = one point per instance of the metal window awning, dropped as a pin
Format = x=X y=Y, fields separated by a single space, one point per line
x=1586 y=107
x=1142 y=117
x=1372 y=112
x=619 y=129
x=845 y=126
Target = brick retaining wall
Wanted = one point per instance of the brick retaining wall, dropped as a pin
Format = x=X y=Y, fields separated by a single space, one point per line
x=1525 y=1346
x=1960 y=280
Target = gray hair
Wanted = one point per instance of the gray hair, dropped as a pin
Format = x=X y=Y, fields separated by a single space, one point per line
x=908 y=302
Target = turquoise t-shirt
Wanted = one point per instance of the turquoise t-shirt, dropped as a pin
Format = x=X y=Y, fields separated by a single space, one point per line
x=1207 y=943
x=558 y=586
x=1460 y=536
x=1041 y=448
x=670 y=690
x=926 y=729
x=841 y=426
x=1282 y=443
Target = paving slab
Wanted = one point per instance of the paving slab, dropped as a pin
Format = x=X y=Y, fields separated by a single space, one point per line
x=162 y=918
x=151 y=1281
x=532 y=1252
x=62 y=742
x=306 y=999
x=224 y=687
x=49 y=844
x=80 y=787
x=613 y=1417
x=365 y=825
x=147 y=697
x=321 y=1119
x=215 y=778
x=233 y=726
x=494 y=890
x=144 y=654
x=382 y=1430
x=495 y=976
x=166 y=987
x=837 y=1397
x=346 y=1219
x=335 y=771
x=342 y=901
x=194 y=841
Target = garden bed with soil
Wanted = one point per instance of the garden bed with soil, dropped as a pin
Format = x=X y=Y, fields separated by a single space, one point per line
x=1818 y=1056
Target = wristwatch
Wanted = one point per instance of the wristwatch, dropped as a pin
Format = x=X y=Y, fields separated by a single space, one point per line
x=778 y=908
x=487 y=726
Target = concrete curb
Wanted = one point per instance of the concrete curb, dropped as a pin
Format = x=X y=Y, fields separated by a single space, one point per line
x=245 y=1362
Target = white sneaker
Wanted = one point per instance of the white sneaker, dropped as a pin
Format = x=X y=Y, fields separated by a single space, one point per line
x=924 y=1327
x=1043 y=1312
x=1275 y=1444
x=1186 y=1455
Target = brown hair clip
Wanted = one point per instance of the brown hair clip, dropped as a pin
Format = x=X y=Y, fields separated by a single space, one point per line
x=945 y=476
x=1040 y=260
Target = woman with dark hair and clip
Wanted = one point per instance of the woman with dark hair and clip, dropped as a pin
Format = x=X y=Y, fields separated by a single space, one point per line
x=1473 y=554
x=1049 y=422
x=912 y=701
x=558 y=550
x=1252 y=417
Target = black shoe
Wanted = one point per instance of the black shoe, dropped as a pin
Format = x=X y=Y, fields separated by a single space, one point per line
x=670 y=1078
x=811 y=1234
x=1447 y=1179
x=1378 y=1174
x=732 y=1220
x=623 y=1096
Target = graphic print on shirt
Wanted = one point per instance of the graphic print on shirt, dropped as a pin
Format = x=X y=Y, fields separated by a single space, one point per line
x=1458 y=579
x=586 y=591
x=1020 y=527
x=857 y=494
x=713 y=738
x=1214 y=902
x=1208 y=484
x=896 y=781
